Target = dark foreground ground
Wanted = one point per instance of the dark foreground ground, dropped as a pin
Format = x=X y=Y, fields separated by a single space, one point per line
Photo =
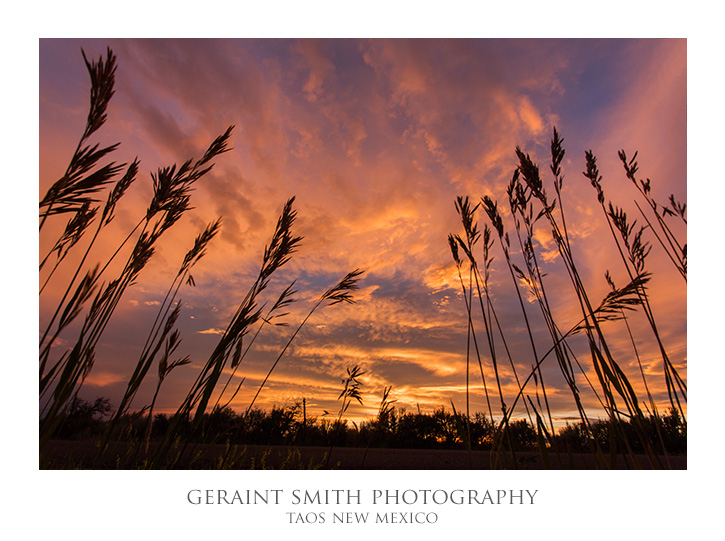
x=75 y=455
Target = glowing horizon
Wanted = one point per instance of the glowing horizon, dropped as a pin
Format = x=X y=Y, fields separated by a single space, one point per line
x=375 y=139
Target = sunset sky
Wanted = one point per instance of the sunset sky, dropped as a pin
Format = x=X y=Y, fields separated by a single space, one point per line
x=375 y=139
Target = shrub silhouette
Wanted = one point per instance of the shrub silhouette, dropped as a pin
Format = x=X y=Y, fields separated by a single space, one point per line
x=84 y=419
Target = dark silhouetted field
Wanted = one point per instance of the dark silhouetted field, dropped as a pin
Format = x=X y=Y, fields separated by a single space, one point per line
x=79 y=454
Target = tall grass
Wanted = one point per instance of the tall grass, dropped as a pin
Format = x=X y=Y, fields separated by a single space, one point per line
x=90 y=303
x=633 y=251
x=532 y=207
x=84 y=202
x=171 y=199
x=676 y=250
x=162 y=336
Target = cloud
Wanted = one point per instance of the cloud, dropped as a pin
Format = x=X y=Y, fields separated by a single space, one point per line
x=211 y=331
x=319 y=67
x=376 y=138
x=104 y=379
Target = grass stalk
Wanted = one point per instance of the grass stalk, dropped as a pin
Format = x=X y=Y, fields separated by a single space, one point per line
x=341 y=292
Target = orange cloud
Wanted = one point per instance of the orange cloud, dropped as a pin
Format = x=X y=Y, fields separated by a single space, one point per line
x=376 y=138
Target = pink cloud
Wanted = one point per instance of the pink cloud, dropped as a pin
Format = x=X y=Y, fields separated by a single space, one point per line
x=376 y=139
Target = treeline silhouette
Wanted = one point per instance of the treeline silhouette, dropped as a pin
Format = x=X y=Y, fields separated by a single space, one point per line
x=394 y=429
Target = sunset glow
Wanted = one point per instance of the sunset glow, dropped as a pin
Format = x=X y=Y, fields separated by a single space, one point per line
x=375 y=139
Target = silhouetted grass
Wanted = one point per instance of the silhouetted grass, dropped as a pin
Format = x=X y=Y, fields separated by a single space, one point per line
x=134 y=436
x=91 y=304
x=531 y=206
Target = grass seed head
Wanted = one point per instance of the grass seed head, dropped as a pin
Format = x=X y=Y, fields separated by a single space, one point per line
x=557 y=155
x=342 y=292
x=592 y=173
